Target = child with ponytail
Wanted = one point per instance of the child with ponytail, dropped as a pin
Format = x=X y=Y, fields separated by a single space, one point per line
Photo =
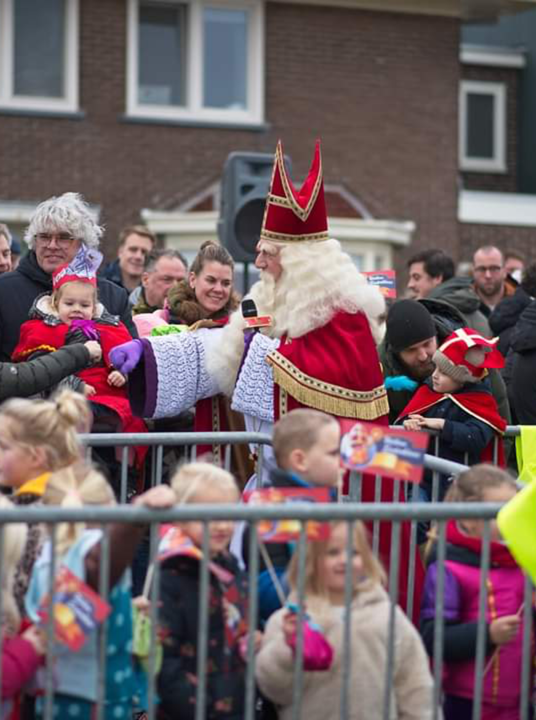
x=37 y=437
x=78 y=547
x=504 y=605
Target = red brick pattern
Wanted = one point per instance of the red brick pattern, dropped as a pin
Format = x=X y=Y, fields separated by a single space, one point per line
x=380 y=89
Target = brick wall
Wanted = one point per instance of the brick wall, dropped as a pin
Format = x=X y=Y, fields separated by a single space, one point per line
x=498 y=182
x=505 y=237
x=380 y=89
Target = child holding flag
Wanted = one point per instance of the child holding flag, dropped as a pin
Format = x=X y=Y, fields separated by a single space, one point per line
x=201 y=483
x=78 y=551
x=325 y=585
x=504 y=605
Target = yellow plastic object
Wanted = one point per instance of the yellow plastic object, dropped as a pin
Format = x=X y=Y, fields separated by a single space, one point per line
x=517 y=523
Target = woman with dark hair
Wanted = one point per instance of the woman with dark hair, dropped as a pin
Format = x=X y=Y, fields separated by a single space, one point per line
x=207 y=293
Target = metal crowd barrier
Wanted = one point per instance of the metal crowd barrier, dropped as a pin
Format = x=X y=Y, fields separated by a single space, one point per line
x=347 y=512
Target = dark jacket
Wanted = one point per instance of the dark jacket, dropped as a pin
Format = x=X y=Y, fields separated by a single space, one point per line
x=459 y=292
x=523 y=383
x=463 y=437
x=505 y=316
x=179 y=616
x=112 y=272
x=18 y=290
x=446 y=319
x=43 y=373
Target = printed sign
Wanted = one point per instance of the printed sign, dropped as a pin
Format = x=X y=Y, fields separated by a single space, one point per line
x=174 y=542
x=380 y=450
x=385 y=280
x=77 y=609
x=289 y=530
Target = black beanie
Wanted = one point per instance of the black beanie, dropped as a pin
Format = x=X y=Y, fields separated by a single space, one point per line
x=408 y=323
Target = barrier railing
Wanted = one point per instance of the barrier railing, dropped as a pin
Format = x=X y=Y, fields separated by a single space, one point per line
x=252 y=515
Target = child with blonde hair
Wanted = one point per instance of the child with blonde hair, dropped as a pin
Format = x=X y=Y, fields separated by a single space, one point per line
x=37 y=437
x=78 y=547
x=504 y=604
x=202 y=483
x=325 y=582
x=21 y=653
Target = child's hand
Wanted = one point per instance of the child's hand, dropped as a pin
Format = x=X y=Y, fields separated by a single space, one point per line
x=159 y=497
x=290 y=624
x=116 y=379
x=37 y=639
x=142 y=604
x=504 y=629
x=414 y=422
x=244 y=641
x=89 y=390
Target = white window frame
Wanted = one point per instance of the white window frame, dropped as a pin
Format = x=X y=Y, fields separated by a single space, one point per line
x=496 y=164
x=193 y=110
x=70 y=100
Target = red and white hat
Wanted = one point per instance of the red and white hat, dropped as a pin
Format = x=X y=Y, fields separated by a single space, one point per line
x=294 y=215
x=82 y=268
x=466 y=355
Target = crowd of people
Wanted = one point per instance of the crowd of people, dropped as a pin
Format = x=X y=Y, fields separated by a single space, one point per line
x=151 y=340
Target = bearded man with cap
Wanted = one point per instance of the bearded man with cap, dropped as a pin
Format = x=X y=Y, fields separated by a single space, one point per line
x=319 y=350
x=414 y=329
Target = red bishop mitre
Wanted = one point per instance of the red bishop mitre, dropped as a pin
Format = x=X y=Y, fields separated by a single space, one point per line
x=82 y=268
x=465 y=355
x=290 y=215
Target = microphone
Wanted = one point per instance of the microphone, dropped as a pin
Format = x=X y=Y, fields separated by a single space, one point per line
x=251 y=316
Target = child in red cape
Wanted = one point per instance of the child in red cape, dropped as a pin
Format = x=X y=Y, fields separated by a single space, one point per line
x=72 y=310
x=457 y=402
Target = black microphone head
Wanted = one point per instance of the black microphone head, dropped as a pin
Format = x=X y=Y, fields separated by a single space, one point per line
x=249 y=309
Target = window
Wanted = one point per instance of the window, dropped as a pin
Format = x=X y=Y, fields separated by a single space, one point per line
x=39 y=55
x=482 y=129
x=196 y=60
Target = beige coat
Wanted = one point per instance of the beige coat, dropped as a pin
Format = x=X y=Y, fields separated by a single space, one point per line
x=411 y=694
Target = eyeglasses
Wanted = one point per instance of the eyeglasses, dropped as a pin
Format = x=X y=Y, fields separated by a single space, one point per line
x=493 y=269
x=64 y=240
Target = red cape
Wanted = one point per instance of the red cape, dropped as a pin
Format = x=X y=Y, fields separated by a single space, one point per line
x=36 y=336
x=481 y=405
x=334 y=368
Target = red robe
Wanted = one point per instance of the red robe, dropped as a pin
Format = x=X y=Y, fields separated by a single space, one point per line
x=481 y=405
x=39 y=336
x=336 y=369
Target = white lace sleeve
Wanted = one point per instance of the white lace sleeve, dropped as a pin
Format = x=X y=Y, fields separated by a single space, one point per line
x=254 y=390
x=182 y=377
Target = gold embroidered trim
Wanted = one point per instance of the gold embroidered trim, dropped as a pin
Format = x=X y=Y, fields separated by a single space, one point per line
x=332 y=399
x=283 y=402
x=29 y=351
x=216 y=449
x=284 y=237
x=302 y=213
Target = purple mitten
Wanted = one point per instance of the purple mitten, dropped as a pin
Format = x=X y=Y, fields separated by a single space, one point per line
x=125 y=357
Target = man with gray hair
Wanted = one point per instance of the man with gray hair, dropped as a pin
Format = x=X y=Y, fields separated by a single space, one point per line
x=163 y=268
x=57 y=230
x=5 y=249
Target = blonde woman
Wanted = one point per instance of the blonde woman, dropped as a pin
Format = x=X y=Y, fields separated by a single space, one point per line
x=411 y=693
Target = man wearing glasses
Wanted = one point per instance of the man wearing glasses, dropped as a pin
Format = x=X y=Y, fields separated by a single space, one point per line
x=490 y=280
x=57 y=229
